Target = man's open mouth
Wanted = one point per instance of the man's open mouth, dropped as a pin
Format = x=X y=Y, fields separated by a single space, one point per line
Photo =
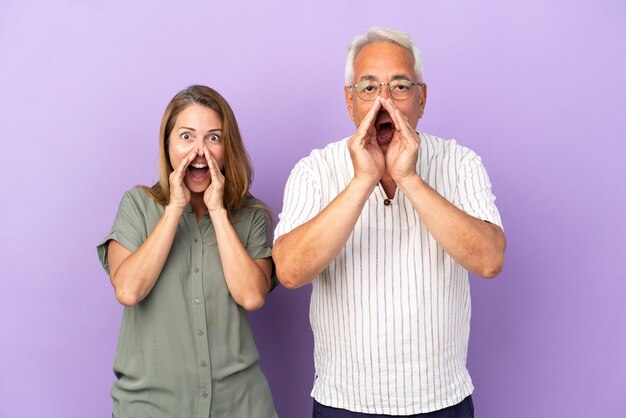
x=384 y=128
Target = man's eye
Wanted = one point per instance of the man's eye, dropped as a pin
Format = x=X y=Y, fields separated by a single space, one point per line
x=185 y=136
x=403 y=86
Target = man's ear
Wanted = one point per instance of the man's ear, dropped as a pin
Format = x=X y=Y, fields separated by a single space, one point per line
x=348 y=92
x=423 y=94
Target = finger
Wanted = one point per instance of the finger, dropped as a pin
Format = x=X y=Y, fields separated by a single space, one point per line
x=210 y=162
x=403 y=122
x=370 y=117
x=393 y=113
x=373 y=145
x=187 y=160
x=405 y=127
x=177 y=176
x=212 y=165
x=388 y=105
x=184 y=163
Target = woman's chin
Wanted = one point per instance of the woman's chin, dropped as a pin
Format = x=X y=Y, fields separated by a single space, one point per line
x=197 y=188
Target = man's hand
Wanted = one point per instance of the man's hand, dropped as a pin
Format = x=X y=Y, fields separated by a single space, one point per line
x=403 y=150
x=367 y=157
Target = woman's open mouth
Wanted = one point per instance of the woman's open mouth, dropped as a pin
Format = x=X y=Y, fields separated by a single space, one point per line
x=198 y=171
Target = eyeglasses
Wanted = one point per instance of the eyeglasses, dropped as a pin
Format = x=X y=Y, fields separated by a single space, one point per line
x=398 y=89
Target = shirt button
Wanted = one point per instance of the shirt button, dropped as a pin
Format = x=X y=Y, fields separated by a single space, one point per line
x=196 y=301
x=195 y=270
x=200 y=332
x=205 y=395
x=195 y=240
x=203 y=363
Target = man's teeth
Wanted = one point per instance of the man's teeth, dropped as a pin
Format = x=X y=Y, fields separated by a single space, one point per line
x=199 y=165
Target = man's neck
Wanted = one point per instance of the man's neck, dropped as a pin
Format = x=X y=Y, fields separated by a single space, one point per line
x=388 y=185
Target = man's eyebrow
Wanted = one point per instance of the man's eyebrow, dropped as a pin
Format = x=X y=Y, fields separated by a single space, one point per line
x=368 y=77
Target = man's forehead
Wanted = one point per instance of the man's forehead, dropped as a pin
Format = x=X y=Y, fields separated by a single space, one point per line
x=397 y=76
x=387 y=60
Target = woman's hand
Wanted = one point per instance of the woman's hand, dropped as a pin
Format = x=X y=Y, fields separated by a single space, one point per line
x=214 y=194
x=179 y=193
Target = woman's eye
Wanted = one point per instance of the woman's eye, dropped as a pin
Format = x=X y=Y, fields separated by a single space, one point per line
x=214 y=138
x=185 y=136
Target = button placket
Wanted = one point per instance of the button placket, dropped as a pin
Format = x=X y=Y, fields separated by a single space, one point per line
x=199 y=317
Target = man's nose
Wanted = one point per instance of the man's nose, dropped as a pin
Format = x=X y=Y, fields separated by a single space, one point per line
x=384 y=91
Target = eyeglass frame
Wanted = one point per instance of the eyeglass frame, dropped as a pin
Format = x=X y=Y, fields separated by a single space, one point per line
x=380 y=88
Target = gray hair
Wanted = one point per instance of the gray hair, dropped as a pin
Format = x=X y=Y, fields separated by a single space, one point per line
x=383 y=35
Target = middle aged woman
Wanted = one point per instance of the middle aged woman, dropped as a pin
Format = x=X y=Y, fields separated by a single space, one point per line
x=188 y=257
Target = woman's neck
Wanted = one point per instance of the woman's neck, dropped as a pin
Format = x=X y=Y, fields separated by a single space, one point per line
x=197 y=204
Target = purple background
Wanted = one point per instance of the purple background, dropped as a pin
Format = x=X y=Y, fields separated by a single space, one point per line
x=536 y=88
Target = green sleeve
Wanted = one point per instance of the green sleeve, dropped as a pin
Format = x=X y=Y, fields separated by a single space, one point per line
x=259 y=244
x=128 y=229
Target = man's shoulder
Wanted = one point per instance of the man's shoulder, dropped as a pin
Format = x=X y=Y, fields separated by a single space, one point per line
x=436 y=145
x=333 y=154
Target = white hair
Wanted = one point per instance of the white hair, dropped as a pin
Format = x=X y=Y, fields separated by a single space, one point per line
x=382 y=35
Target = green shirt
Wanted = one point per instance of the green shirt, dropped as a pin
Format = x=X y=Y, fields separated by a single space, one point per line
x=187 y=350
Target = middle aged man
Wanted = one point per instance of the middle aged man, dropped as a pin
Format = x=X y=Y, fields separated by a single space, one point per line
x=386 y=225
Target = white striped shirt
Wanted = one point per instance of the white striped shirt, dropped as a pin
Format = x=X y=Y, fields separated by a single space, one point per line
x=390 y=315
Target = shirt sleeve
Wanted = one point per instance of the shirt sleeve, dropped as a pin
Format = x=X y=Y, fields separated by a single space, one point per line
x=259 y=244
x=127 y=230
x=301 y=201
x=474 y=194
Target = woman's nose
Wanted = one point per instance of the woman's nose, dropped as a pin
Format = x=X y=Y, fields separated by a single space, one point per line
x=200 y=145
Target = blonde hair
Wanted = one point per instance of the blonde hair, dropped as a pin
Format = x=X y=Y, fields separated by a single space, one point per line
x=237 y=168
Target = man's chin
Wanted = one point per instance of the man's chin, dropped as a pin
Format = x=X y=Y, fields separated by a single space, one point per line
x=383 y=142
x=384 y=147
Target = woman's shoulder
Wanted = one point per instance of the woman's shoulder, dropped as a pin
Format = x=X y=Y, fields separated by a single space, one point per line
x=252 y=201
x=140 y=199
x=137 y=195
x=252 y=208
